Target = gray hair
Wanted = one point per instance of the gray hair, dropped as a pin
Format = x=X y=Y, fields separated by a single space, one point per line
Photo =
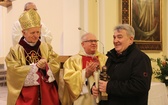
x=128 y=28
x=28 y=3
x=84 y=36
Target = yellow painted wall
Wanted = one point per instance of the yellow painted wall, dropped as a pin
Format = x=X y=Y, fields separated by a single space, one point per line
x=93 y=16
x=113 y=17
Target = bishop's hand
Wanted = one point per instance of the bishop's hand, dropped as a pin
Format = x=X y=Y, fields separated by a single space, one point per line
x=42 y=64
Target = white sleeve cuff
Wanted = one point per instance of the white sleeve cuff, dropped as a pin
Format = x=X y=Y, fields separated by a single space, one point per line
x=32 y=77
x=84 y=79
x=51 y=76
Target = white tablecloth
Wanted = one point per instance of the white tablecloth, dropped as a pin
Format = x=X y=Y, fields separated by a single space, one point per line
x=158 y=94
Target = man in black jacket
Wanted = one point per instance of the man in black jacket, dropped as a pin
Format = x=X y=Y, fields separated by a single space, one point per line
x=129 y=69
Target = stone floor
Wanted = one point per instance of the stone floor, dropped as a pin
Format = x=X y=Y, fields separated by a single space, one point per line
x=3 y=95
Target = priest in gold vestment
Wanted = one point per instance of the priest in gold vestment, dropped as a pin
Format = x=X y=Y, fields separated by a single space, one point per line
x=32 y=67
x=79 y=72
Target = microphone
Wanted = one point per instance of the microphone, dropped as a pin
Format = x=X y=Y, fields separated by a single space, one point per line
x=102 y=45
x=79 y=28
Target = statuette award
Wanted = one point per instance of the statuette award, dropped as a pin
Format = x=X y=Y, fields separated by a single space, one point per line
x=104 y=77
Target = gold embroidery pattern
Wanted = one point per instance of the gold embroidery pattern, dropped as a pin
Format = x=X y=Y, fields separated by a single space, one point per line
x=32 y=57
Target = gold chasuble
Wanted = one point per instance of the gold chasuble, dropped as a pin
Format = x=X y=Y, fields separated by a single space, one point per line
x=27 y=87
x=77 y=87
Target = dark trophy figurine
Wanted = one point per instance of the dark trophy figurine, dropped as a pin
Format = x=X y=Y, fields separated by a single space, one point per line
x=104 y=77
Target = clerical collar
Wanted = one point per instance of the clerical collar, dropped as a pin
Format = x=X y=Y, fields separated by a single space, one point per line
x=90 y=55
x=31 y=44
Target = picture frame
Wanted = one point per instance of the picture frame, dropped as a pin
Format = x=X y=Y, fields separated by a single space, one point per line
x=145 y=17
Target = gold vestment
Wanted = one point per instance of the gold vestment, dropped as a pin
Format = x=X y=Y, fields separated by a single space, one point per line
x=17 y=69
x=74 y=82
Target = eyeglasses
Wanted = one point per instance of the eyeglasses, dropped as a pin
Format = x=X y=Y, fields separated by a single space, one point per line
x=91 y=41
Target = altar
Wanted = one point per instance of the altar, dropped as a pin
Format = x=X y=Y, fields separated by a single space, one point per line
x=158 y=94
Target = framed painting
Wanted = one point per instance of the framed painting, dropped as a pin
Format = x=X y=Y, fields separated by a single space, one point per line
x=145 y=17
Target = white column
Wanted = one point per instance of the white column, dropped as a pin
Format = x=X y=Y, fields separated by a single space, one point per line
x=101 y=25
x=85 y=15
x=71 y=22
x=83 y=18
x=1 y=35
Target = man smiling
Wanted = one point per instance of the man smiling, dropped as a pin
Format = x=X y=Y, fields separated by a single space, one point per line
x=129 y=70
x=32 y=66
x=79 y=69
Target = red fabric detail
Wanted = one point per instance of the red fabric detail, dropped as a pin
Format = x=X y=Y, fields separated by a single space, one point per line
x=28 y=96
x=145 y=74
x=44 y=75
x=48 y=93
x=88 y=59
